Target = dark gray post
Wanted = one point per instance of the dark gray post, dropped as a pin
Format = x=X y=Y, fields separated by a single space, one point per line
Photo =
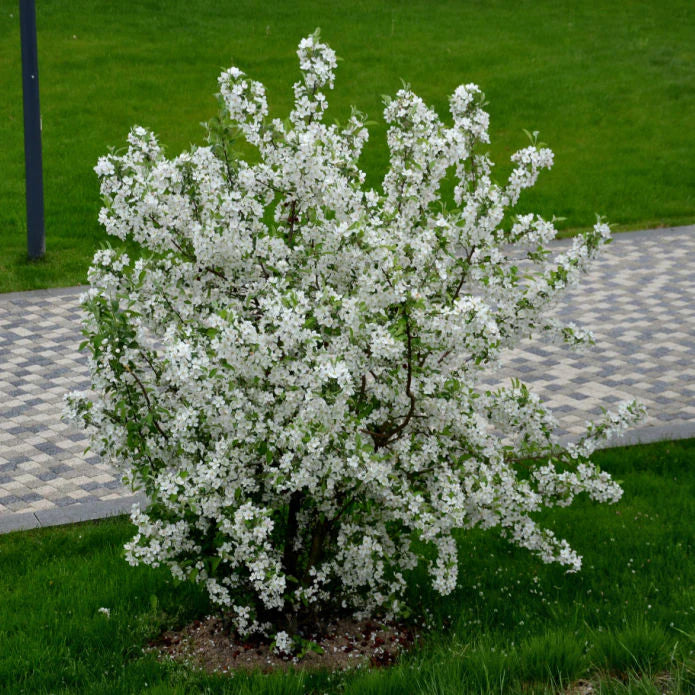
x=36 y=241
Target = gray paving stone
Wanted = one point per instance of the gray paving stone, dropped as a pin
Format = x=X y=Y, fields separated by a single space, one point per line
x=9 y=499
x=46 y=476
x=64 y=501
x=89 y=511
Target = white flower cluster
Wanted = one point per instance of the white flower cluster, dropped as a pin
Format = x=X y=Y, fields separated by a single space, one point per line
x=284 y=644
x=291 y=368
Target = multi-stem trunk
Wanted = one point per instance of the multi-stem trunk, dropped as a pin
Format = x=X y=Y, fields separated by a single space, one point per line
x=290 y=557
x=297 y=563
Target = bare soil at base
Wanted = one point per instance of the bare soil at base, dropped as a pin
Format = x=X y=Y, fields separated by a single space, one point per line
x=347 y=643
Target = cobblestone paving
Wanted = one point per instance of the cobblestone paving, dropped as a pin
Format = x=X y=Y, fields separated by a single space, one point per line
x=639 y=300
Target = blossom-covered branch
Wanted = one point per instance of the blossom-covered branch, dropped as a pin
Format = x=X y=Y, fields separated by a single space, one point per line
x=291 y=368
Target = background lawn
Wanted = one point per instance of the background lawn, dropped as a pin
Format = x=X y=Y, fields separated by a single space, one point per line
x=627 y=620
x=609 y=85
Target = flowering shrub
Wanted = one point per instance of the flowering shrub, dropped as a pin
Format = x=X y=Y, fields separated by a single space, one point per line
x=291 y=370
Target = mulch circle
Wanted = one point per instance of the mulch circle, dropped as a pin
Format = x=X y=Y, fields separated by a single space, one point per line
x=345 y=644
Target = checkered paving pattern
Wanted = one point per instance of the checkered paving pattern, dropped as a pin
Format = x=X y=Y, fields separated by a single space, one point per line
x=639 y=300
x=42 y=464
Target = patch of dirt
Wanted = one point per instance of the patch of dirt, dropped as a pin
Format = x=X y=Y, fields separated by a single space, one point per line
x=662 y=681
x=344 y=644
x=580 y=687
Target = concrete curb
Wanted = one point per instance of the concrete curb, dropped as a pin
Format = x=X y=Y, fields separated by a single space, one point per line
x=646 y=435
x=73 y=514
x=40 y=294
x=656 y=433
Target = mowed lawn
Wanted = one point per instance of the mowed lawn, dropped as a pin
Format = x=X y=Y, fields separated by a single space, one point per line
x=609 y=85
x=626 y=622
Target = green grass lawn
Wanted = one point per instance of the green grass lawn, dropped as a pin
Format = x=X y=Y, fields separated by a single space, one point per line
x=514 y=625
x=609 y=85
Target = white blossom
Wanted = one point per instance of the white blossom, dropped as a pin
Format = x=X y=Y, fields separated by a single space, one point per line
x=291 y=368
x=284 y=644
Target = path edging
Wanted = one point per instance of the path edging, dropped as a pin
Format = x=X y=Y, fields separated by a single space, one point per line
x=75 y=513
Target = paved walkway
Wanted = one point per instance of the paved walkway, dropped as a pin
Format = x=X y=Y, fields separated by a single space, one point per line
x=639 y=300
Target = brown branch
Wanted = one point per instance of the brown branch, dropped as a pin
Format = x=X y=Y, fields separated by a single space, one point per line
x=292 y=218
x=147 y=400
x=526 y=461
x=318 y=538
x=328 y=524
x=456 y=294
x=445 y=355
x=171 y=306
x=143 y=441
x=191 y=257
x=144 y=355
x=273 y=188
x=387 y=433
x=289 y=556
x=465 y=273
x=216 y=272
x=388 y=280
x=409 y=380
x=363 y=387
x=350 y=498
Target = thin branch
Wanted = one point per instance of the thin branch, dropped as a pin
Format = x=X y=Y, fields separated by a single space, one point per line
x=363 y=388
x=464 y=274
x=289 y=556
x=388 y=432
x=409 y=381
x=292 y=218
x=147 y=400
x=191 y=257
x=171 y=307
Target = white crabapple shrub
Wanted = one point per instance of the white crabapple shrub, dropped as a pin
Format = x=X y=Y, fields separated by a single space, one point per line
x=291 y=370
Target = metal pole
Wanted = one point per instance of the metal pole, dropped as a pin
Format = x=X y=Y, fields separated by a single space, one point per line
x=36 y=241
